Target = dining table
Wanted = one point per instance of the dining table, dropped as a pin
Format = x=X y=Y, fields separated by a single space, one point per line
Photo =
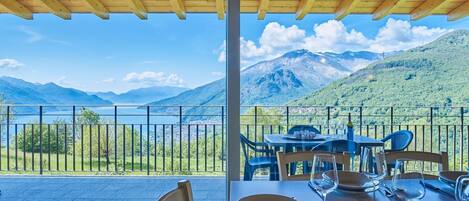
x=301 y=191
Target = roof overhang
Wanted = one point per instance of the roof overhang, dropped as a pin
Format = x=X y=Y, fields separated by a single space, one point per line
x=417 y=9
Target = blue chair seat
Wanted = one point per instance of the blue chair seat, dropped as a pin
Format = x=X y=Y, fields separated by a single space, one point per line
x=263 y=161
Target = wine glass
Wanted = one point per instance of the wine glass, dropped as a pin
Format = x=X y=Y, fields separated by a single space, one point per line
x=407 y=185
x=373 y=164
x=324 y=178
x=462 y=188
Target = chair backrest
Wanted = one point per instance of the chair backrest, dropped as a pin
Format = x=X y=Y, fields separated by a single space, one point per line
x=440 y=159
x=338 y=146
x=302 y=128
x=400 y=140
x=182 y=193
x=245 y=145
x=293 y=157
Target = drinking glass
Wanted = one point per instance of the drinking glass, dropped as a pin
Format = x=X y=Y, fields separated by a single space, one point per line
x=407 y=185
x=373 y=164
x=462 y=188
x=324 y=178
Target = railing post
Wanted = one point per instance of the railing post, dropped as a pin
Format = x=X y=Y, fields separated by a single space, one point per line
x=148 y=140
x=222 y=138
x=361 y=119
x=288 y=118
x=462 y=136
x=40 y=140
x=180 y=138
x=115 y=138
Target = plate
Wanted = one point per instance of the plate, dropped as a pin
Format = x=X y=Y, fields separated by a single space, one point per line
x=355 y=182
x=316 y=138
x=267 y=197
x=450 y=177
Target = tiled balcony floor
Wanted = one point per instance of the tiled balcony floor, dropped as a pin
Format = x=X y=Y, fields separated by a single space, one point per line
x=101 y=188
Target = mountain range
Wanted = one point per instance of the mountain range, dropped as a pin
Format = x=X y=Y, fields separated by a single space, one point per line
x=278 y=81
x=435 y=74
x=141 y=95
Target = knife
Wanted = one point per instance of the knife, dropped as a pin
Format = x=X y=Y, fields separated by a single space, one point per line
x=435 y=188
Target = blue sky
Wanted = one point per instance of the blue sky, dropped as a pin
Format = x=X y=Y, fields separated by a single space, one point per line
x=125 y=52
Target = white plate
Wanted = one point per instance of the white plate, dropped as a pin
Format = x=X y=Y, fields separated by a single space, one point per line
x=354 y=181
x=450 y=177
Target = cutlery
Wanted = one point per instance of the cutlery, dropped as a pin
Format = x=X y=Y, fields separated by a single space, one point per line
x=435 y=188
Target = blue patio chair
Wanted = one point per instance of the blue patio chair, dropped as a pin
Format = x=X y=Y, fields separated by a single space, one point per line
x=400 y=140
x=267 y=160
x=291 y=131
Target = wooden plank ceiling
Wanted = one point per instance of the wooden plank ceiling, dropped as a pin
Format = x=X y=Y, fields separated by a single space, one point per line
x=417 y=9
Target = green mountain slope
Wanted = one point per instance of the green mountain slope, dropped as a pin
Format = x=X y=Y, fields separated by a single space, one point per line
x=436 y=74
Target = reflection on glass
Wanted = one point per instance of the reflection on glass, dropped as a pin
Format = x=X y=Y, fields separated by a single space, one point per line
x=324 y=177
x=407 y=185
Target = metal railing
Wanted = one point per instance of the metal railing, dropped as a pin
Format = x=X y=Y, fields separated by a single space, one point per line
x=165 y=140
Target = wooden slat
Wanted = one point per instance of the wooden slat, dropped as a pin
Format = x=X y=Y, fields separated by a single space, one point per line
x=220 y=4
x=57 y=8
x=178 y=8
x=17 y=9
x=459 y=12
x=98 y=8
x=384 y=9
x=345 y=7
x=304 y=8
x=138 y=8
x=425 y=9
x=263 y=8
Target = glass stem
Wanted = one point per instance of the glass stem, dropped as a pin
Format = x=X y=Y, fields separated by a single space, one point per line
x=324 y=197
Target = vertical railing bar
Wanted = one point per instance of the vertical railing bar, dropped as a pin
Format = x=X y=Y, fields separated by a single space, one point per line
x=148 y=140
x=99 y=147
x=132 y=129
x=222 y=138
x=214 y=150
x=392 y=119
x=205 y=148
x=141 y=148
x=197 y=147
x=188 y=147
x=439 y=138
x=255 y=122
x=164 y=147
x=155 y=147
x=361 y=120
x=329 y=120
x=32 y=147
x=91 y=147
x=115 y=139
x=8 y=138
x=423 y=145
x=180 y=138
x=40 y=141
x=462 y=139
x=73 y=133
x=16 y=147
x=24 y=148
x=48 y=146
x=82 y=146
x=65 y=146
x=288 y=118
x=123 y=147
x=107 y=148
x=172 y=147
x=367 y=130
x=454 y=147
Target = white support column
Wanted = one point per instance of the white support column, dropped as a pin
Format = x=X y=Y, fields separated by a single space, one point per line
x=233 y=92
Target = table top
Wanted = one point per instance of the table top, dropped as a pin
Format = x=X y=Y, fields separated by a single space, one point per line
x=279 y=140
x=302 y=192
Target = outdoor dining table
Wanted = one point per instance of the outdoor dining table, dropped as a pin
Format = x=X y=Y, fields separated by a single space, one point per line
x=302 y=192
x=278 y=141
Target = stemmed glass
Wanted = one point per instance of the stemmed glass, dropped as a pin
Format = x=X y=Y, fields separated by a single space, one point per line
x=373 y=164
x=462 y=188
x=324 y=178
x=407 y=185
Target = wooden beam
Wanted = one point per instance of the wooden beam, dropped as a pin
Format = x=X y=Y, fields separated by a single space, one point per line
x=220 y=4
x=303 y=8
x=459 y=12
x=16 y=8
x=425 y=9
x=263 y=8
x=98 y=9
x=138 y=9
x=57 y=8
x=345 y=7
x=178 y=8
x=384 y=9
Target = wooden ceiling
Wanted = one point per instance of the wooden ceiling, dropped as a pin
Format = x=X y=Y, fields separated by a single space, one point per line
x=417 y=9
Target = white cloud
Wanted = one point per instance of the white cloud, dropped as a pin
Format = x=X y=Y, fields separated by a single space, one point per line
x=32 y=35
x=154 y=78
x=109 y=80
x=11 y=64
x=333 y=36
